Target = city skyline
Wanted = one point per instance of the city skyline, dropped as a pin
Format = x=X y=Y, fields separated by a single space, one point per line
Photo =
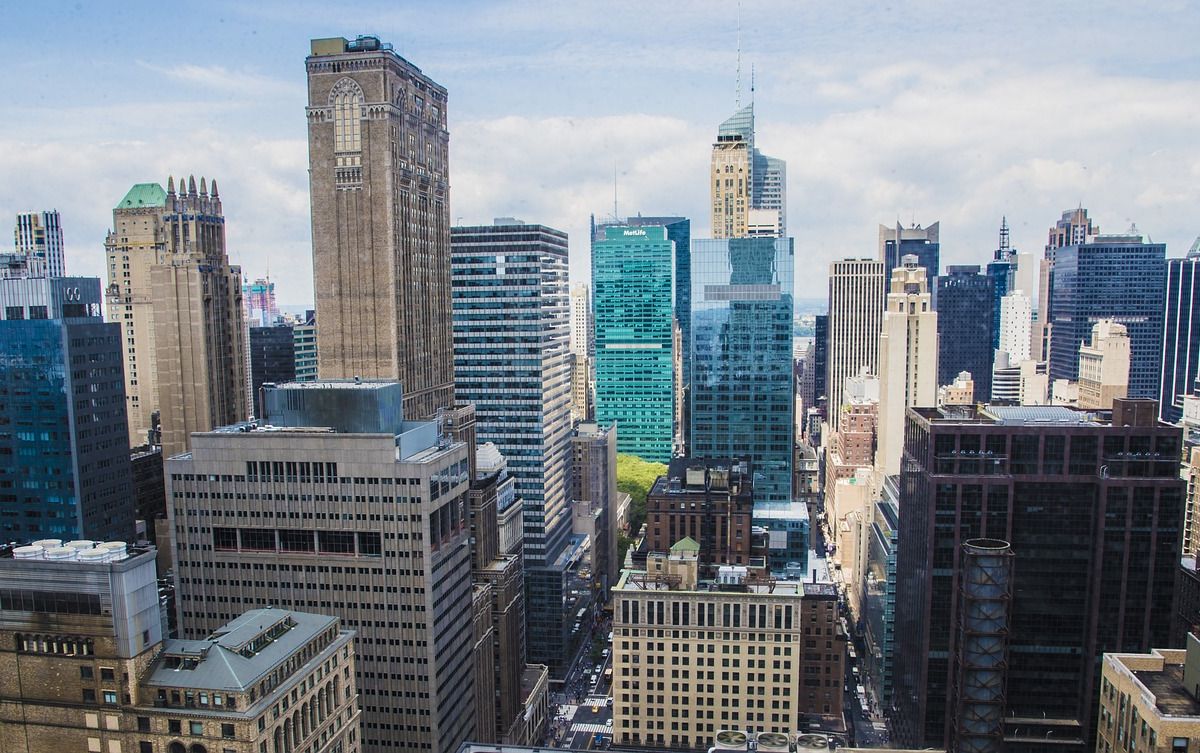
x=986 y=123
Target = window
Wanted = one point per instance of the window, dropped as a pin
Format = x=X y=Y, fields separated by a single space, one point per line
x=196 y=728
x=106 y=673
x=110 y=696
x=174 y=726
x=346 y=99
x=85 y=673
x=145 y=746
x=143 y=723
x=227 y=731
x=89 y=695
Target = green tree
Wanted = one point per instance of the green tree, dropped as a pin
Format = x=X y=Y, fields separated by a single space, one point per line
x=635 y=477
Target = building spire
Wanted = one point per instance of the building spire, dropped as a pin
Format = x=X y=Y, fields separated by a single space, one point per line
x=1004 y=241
x=737 y=98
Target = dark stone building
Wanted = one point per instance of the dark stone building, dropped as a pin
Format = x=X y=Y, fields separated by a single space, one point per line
x=272 y=358
x=1093 y=510
x=711 y=501
x=963 y=300
x=1181 y=334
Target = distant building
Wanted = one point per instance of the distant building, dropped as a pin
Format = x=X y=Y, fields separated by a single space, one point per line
x=853 y=444
x=1066 y=472
x=304 y=343
x=963 y=299
x=742 y=313
x=1150 y=701
x=259 y=299
x=878 y=588
x=961 y=391
x=583 y=349
x=96 y=673
x=1181 y=334
x=38 y=240
x=272 y=359
x=908 y=359
x=737 y=617
x=179 y=303
x=66 y=459
x=742 y=180
x=1104 y=365
x=594 y=487
x=1074 y=228
x=632 y=274
x=1118 y=277
x=921 y=242
x=857 y=295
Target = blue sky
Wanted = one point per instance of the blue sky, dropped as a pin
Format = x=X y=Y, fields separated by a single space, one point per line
x=920 y=111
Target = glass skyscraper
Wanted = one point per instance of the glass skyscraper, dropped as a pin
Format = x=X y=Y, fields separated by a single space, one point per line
x=1119 y=277
x=1181 y=334
x=741 y=399
x=632 y=279
x=65 y=472
x=963 y=300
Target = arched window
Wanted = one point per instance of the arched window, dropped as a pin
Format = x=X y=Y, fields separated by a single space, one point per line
x=176 y=747
x=198 y=748
x=346 y=99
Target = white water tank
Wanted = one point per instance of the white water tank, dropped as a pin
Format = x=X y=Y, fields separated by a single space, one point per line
x=93 y=556
x=80 y=544
x=60 y=553
x=118 y=549
x=47 y=543
x=32 y=552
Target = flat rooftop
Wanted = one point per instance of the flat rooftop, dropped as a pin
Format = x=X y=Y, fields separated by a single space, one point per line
x=1016 y=415
x=1169 y=695
x=639 y=580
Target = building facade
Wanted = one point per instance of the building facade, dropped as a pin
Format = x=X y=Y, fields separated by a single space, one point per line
x=741 y=397
x=908 y=360
x=583 y=349
x=304 y=343
x=38 y=238
x=895 y=243
x=379 y=184
x=755 y=655
x=104 y=679
x=259 y=299
x=594 y=482
x=337 y=503
x=963 y=300
x=272 y=359
x=179 y=303
x=742 y=180
x=632 y=281
x=66 y=472
x=1104 y=365
x=710 y=501
x=1149 y=701
x=857 y=295
x=1118 y=277
x=1181 y=334
x=1088 y=505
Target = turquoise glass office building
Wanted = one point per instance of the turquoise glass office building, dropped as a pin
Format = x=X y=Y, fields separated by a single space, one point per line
x=740 y=402
x=633 y=283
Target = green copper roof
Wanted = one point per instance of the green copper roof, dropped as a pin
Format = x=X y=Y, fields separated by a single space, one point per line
x=686 y=544
x=144 y=195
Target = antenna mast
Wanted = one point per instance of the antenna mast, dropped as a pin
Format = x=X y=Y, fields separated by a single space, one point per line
x=616 y=216
x=1004 y=242
x=737 y=99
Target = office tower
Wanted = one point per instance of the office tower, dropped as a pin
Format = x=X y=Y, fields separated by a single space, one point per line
x=179 y=301
x=857 y=291
x=583 y=348
x=908 y=360
x=1181 y=334
x=83 y=635
x=304 y=341
x=511 y=340
x=378 y=177
x=738 y=617
x=709 y=500
x=259 y=299
x=923 y=243
x=1120 y=277
x=743 y=180
x=1088 y=505
x=376 y=505
x=879 y=592
x=820 y=361
x=38 y=238
x=1002 y=270
x=1104 y=365
x=963 y=301
x=1150 y=700
x=594 y=486
x=632 y=277
x=66 y=467
x=1074 y=228
x=1016 y=313
x=741 y=397
x=272 y=359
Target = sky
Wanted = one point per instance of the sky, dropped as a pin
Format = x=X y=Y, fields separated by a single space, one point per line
x=958 y=112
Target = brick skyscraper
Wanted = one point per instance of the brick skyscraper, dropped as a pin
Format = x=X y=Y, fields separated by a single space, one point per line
x=378 y=172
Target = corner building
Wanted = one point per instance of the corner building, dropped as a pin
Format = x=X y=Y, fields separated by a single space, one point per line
x=340 y=506
x=379 y=186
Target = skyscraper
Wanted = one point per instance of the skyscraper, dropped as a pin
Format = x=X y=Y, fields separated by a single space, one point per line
x=511 y=343
x=743 y=179
x=741 y=399
x=1074 y=228
x=857 y=292
x=373 y=529
x=1119 y=277
x=1089 y=506
x=379 y=183
x=272 y=359
x=583 y=348
x=259 y=298
x=632 y=275
x=963 y=300
x=1104 y=365
x=1181 y=334
x=180 y=303
x=38 y=237
x=923 y=243
x=908 y=360
x=66 y=467
x=304 y=338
